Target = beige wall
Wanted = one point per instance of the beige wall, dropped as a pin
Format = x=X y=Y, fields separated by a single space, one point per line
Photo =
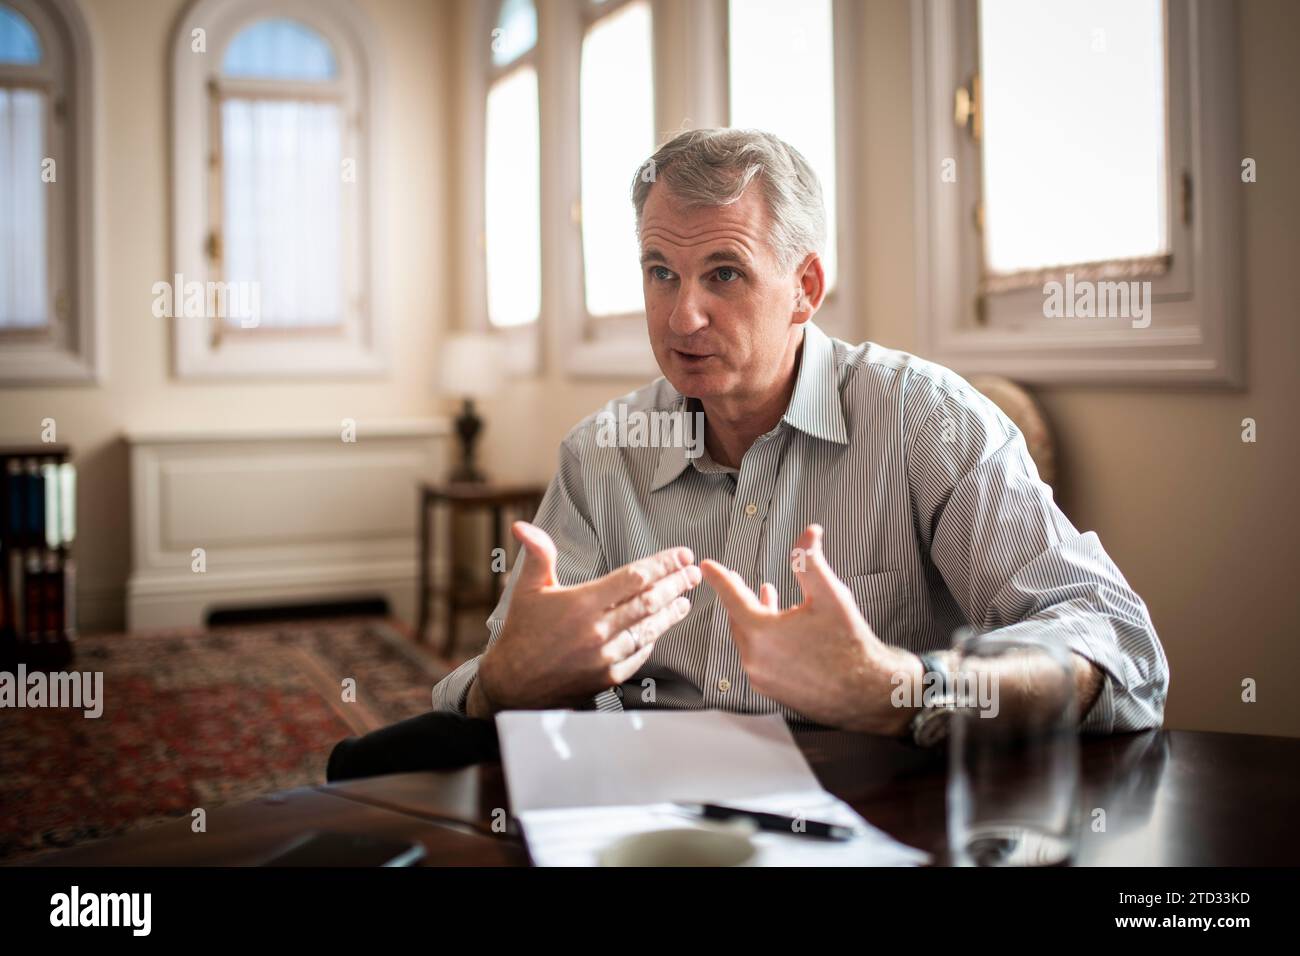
x=132 y=39
x=1205 y=527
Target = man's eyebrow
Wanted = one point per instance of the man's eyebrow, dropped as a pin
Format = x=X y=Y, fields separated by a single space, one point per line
x=727 y=256
x=724 y=256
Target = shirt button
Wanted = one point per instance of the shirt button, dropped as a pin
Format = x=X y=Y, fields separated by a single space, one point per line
x=751 y=509
x=724 y=685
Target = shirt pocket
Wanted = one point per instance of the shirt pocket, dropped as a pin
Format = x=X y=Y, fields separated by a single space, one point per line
x=879 y=597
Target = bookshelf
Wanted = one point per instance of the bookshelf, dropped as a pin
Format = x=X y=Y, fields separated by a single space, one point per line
x=38 y=523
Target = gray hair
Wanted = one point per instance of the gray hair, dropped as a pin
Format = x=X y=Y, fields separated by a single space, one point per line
x=713 y=167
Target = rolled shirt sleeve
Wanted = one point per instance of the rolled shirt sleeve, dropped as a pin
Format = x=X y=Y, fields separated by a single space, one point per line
x=563 y=515
x=1016 y=565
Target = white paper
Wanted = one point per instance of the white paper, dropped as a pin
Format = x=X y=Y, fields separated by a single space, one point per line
x=578 y=781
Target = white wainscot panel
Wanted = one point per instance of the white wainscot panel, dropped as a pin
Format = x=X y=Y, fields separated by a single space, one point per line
x=283 y=517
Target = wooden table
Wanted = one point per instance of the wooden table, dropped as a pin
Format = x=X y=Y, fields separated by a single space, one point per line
x=1172 y=798
x=501 y=501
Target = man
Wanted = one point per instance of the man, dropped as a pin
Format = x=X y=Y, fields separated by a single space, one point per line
x=875 y=497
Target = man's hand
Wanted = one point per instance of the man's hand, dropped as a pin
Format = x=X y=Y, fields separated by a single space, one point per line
x=561 y=645
x=820 y=658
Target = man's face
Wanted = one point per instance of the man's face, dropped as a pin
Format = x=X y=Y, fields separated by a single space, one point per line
x=718 y=304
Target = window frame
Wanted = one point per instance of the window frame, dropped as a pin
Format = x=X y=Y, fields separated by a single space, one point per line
x=618 y=326
x=69 y=349
x=586 y=346
x=520 y=350
x=207 y=348
x=690 y=56
x=980 y=325
x=836 y=316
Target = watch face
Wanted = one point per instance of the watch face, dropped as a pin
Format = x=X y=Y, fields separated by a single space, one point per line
x=931 y=726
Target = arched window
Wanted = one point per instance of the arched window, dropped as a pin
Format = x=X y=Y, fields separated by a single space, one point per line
x=616 y=134
x=280 y=105
x=46 y=228
x=27 y=92
x=512 y=170
x=273 y=178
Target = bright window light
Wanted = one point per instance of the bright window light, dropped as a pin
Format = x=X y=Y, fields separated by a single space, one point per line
x=282 y=206
x=24 y=279
x=513 y=201
x=1074 y=132
x=515 y=33
x=279 y=49
x=782 y=73
x=617 y=136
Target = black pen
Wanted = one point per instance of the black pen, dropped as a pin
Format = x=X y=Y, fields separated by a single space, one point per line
x=771 y=821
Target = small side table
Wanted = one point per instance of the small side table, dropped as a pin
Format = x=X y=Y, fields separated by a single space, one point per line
x=462 y=498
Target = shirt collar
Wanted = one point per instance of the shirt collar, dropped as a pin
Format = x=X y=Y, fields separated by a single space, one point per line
x=814 y=408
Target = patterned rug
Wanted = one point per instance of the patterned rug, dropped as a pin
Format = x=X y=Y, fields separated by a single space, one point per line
x=199 y=718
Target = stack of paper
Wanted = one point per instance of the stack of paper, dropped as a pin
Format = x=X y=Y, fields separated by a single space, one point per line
x=578 y=781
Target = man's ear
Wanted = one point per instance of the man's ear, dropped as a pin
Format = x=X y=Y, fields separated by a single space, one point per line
x=810 y=288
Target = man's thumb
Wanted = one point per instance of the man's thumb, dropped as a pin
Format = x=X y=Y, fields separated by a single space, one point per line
x=539 y=555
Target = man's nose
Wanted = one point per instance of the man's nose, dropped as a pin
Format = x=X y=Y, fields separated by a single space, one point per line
x=688 y=311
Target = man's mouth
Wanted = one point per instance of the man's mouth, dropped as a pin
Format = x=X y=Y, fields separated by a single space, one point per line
x=691 y=358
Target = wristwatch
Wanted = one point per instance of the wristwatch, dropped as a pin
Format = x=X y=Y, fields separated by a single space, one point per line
x=930 y=725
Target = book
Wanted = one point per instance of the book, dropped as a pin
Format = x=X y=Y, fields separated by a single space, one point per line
x=70 y=600
x=68 y=502
x=34 y=606
x=52 y=595
x=34 y=493
x=17 y=593
x=6 y=630
x=50 y=487
x=16 y=513
x=37 y=575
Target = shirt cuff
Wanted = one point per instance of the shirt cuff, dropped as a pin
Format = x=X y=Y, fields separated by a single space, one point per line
x=452 y=692
x=608 y=701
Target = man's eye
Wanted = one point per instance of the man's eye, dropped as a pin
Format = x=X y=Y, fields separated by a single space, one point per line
x=660 y=273
x=727 y=274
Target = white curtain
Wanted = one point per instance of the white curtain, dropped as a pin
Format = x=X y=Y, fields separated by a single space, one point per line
x=24 y=282
x=282 y=182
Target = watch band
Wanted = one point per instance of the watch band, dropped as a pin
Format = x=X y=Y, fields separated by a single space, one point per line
x=930 y=725
x=932 y=663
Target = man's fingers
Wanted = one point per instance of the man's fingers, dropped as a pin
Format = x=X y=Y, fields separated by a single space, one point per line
x=630 y=641
x=626 y=669
x=732 y=590
x=816 y=579
x=655 y=598
x=631 y=579
x=767 y=594
x=539 y=556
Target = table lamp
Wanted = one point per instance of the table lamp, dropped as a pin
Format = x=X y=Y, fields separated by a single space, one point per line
x=470 y=369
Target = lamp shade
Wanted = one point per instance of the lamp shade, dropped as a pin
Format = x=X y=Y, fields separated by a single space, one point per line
x=470 y=366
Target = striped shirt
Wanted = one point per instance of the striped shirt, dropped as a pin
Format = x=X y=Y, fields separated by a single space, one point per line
x=934 y=518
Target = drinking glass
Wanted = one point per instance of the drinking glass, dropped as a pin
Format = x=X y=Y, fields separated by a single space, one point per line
x=1013 y=778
